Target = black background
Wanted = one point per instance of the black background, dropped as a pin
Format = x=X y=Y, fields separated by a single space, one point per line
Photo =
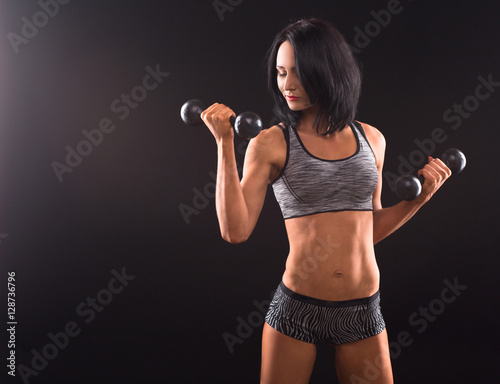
x=121 y=207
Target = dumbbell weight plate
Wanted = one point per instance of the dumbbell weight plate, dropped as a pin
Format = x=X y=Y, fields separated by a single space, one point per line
x=191 y=112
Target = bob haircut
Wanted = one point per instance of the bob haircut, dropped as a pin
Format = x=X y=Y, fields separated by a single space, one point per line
x=326 y=69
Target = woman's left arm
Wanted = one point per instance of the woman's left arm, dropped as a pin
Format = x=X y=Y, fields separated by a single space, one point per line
x=388 y=220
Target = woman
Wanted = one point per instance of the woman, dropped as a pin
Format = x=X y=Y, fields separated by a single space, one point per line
x=326 y=172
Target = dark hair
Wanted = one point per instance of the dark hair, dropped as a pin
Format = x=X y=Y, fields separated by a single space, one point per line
x=326 y=69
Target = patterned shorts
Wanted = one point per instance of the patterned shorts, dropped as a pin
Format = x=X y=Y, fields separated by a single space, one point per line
x=313 y=320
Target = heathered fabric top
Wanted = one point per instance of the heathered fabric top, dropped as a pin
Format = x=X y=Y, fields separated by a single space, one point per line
x=308 y=185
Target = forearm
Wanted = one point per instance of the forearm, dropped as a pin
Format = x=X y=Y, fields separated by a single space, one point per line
x=388 y=220
x=232 y=210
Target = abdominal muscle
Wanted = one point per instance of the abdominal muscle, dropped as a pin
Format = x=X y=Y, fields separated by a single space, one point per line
x=331 y=256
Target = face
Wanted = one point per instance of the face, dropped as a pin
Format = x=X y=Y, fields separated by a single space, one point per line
x=288 y=81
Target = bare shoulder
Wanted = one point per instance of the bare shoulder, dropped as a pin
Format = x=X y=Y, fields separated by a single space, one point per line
x=270 y=136
x=373 y=134
x=269 y=142
x=376 y=140
x=267 y=149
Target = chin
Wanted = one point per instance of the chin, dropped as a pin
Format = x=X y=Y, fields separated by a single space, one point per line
x=298 y=108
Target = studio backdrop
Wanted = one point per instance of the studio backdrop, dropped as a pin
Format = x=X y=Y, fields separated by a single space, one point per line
x=112 y=266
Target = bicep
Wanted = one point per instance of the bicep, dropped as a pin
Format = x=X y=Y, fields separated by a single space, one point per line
x=256 y=174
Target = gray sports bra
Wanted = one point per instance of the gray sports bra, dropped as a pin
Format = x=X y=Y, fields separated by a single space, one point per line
x=309 y=185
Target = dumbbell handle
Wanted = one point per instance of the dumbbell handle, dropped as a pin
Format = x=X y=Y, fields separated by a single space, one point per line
x=453 y=159
x=409 y=187
x=246 y=124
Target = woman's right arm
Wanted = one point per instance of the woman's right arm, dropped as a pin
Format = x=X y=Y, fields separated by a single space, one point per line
x=239 y=203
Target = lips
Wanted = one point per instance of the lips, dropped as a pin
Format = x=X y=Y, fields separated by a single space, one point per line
x=292 y=98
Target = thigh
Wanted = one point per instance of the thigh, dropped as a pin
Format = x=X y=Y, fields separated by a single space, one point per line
x=366 y=361
x=285 y=359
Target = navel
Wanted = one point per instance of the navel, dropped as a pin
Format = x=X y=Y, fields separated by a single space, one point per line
x=339 y=273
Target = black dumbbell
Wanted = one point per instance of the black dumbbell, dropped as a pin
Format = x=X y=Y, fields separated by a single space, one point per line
x=408 y=187
x=246 y=124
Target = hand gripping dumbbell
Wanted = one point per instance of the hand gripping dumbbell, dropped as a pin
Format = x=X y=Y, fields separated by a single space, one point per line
x=246 y=124
x=408 y=187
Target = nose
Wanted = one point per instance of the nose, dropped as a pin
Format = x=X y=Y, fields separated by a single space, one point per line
x=289 y=83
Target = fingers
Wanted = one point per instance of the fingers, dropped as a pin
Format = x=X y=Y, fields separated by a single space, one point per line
x=435 y=173
x=217 y=113
x=435 y=170
x=216 y=117
x=441 y=167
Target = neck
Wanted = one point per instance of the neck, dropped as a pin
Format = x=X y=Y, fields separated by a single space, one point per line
x=306 y=123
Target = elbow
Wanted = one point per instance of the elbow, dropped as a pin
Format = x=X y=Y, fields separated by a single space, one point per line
x=378 y=235
x=235 y=237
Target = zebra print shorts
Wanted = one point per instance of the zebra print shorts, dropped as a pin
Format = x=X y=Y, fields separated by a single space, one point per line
x=313 y=320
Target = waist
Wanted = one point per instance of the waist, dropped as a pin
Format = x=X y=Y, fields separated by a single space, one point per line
x=332 y=256
x=355 y=279
x=326 y=303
